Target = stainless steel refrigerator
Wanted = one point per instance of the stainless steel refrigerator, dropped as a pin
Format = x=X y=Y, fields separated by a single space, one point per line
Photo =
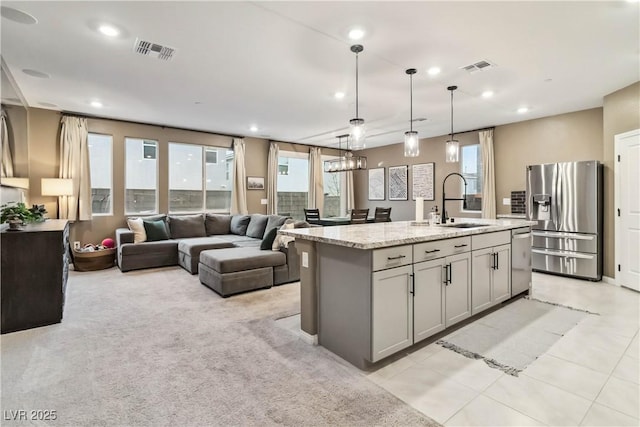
x=565 y=199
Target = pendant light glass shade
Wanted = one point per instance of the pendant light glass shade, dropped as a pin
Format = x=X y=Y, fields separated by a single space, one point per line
x=453 y=146
x=453 y=151
x=411 y=139
x=356 y=126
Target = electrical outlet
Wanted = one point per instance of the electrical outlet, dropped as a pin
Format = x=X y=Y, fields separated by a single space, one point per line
x=76 y=245
x=263 y=201
x=506 y=201
x=305 y=259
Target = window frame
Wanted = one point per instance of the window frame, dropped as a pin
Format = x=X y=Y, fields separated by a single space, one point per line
x=111 y=190
x=157 y=186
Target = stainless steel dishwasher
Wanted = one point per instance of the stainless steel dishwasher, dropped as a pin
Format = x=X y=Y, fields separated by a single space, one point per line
x=520 y=260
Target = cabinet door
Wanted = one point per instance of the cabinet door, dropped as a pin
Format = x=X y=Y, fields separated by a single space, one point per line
x=458 y=291
x=482 y=269
x=428 y=299
x=502 y=274
x=391 y=312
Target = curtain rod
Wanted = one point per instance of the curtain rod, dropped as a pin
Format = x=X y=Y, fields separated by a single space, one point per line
x=475 y=130
x=89 y=116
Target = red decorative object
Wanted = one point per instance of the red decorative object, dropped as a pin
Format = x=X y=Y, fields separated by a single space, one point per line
x=108 y=243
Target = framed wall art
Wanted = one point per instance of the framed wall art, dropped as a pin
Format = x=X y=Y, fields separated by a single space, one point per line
x=398 y=182
x=422 y=176
x=376 y=184
x=255 y=183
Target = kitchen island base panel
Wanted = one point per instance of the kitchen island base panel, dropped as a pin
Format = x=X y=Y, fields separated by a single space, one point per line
x=344 y=302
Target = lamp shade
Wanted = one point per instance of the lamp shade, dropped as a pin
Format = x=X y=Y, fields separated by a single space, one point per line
x=452 y=150
x=15 y=182
x=57 y=186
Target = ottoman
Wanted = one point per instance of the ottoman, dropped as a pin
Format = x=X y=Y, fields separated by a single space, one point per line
x=234 y=270
x=189 y=250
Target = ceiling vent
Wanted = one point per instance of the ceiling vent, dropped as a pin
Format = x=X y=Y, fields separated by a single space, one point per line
x=478 y=66
x=154 y=50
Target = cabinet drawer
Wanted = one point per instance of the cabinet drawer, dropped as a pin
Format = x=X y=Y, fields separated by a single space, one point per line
x=479 y=241
x=392 y=257
x=440 y=248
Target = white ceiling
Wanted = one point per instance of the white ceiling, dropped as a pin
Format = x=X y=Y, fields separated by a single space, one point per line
x=278 y=64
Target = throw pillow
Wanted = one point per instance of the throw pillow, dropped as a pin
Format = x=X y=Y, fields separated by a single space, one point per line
x=156 y=230
x=137 y=226
x=256 y=226
x=267 y=242
x=239 y=224
x=217 y=224
x=274 y=221
x=182 y=226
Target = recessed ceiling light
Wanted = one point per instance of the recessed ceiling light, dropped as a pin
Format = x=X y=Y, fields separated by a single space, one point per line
x=16 y=15
x=36 y=73
x=356 y=34
x=109 y=30
x=96 y=104
x=338 y=95
x=522 y=110
x=253 y=128
x=487 y=94
x=433 y=71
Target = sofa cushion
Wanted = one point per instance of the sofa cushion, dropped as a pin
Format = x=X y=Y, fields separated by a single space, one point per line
x=274 y=221
x=196 y=245
x=150 y=248
x=240 y=259
x=257 y=225
x=233 y=238
x=269 y=237
x=239 y=224
x=187 y=226
x=156 y=230
x=137 y=226
x=217 y=224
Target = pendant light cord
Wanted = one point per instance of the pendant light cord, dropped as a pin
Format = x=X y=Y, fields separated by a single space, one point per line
x=452 y=115
x=411 y=103
x=357 y=116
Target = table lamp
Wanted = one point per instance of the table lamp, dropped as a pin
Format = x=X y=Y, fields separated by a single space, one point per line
x=57 y=187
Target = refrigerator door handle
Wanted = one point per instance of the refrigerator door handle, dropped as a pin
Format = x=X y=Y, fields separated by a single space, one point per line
x=562 y=254
x=562 y=235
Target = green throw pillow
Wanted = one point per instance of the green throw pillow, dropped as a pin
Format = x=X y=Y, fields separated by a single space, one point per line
x=267 y=242
x=156 y=230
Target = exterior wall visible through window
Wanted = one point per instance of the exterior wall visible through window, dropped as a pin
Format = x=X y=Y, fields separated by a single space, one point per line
x=141 y=176
x=101 y=168
x=471 y=169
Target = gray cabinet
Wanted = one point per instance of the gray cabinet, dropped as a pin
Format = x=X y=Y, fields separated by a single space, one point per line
x=391 y=311
x=457 y=288
x=428 y=299
x=491 y=266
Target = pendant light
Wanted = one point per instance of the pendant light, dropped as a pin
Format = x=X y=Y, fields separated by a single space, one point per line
x=411 y=140
x=346 y=161
x=356 y=126
x=453 y=146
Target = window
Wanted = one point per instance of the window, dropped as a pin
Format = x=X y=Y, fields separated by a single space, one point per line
x=194 y=168
x=335 y=201
x=471 y=169
x=141 y=176
x=100 y=165
x=293 y=186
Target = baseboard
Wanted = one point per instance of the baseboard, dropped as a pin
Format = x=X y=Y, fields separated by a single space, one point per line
x=610 y=280
x=308 y=338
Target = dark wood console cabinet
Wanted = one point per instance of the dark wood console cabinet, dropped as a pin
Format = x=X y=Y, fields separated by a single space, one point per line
x=34 y=273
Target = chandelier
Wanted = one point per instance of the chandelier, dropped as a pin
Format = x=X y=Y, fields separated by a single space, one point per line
x=346 y=162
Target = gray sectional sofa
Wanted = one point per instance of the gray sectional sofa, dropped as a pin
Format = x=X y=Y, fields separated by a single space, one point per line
x=225 y=250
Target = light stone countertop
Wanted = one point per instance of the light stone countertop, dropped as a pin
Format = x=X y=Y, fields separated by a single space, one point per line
x=385 y=234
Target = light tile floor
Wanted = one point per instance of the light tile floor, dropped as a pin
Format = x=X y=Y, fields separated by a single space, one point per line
x=589 y=377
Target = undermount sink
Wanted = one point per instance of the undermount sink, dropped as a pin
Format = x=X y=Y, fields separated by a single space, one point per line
x=465 y=225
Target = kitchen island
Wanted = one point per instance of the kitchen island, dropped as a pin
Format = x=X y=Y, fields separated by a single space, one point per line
x=371 y=290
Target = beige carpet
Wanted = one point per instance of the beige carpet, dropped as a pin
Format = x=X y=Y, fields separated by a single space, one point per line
x=156 y=347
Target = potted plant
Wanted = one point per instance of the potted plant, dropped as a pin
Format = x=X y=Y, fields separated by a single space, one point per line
x=17 y=214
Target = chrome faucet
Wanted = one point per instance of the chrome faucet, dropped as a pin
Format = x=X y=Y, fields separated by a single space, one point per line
x=444 y=199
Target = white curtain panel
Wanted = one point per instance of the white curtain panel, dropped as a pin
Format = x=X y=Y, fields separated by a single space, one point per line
x=316 y=179
x=351 y=204
x=488 y=175
x=272 y=179
x=7 y=158
x=239 y=193
x=74 y=164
